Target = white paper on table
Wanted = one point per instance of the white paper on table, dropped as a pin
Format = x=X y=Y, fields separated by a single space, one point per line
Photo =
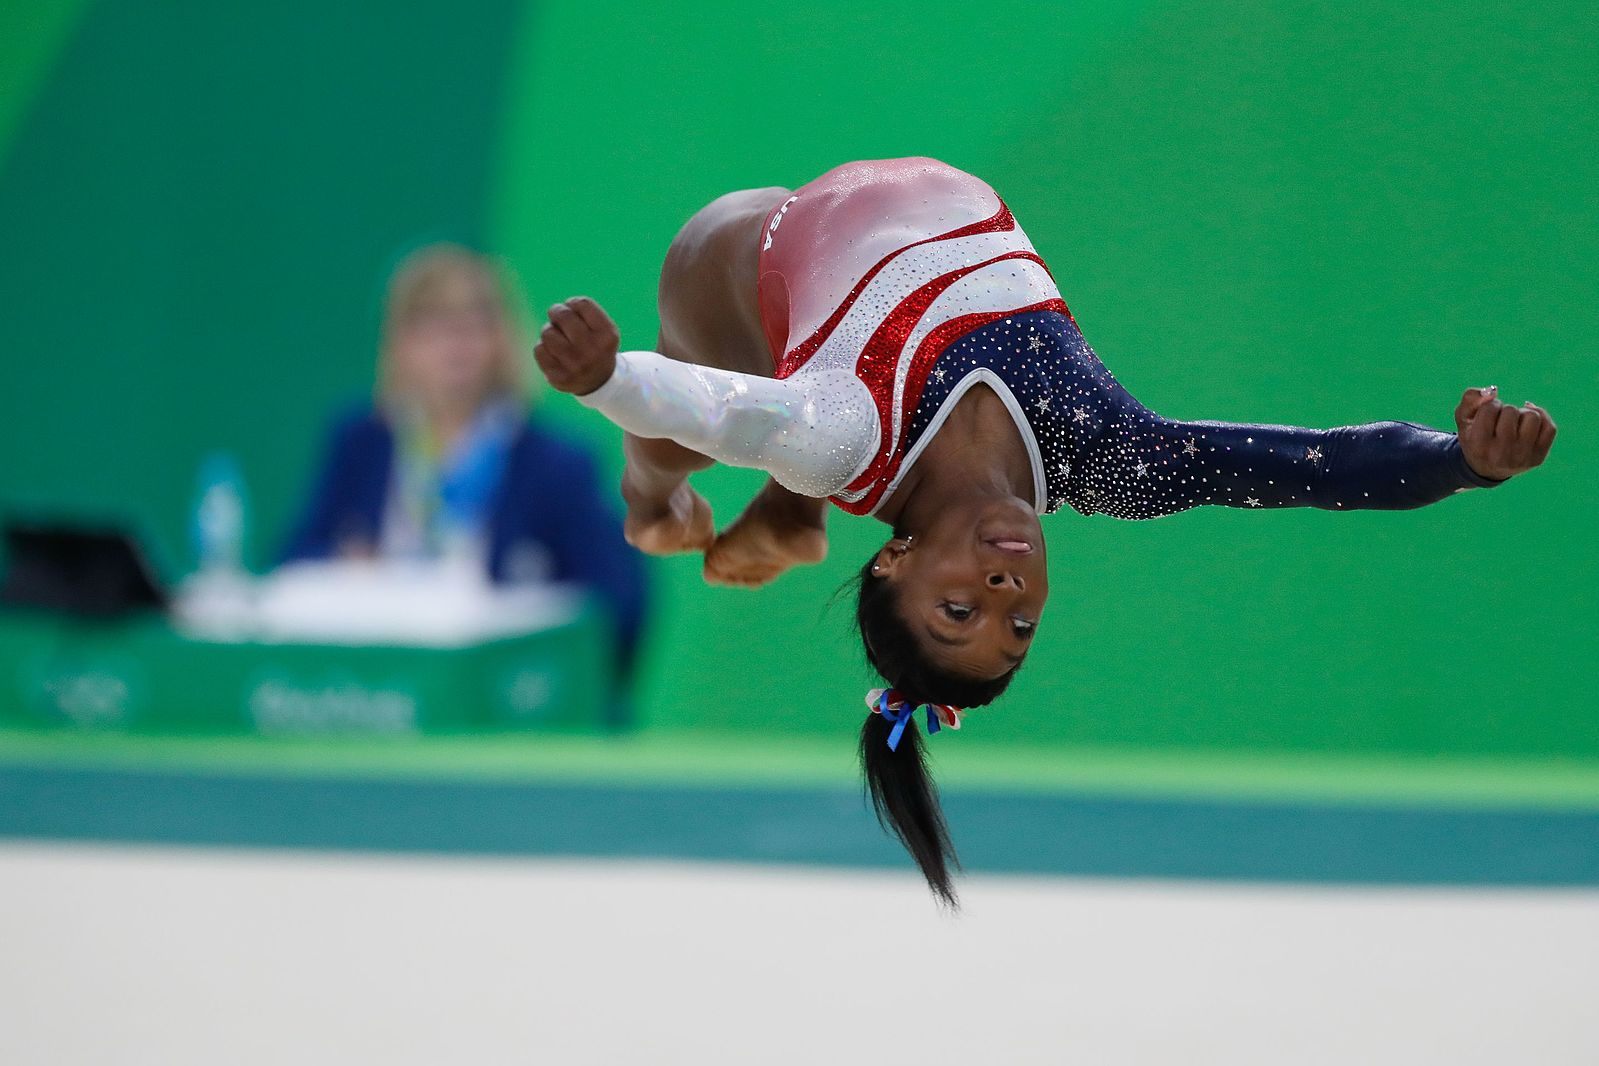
x=418 y=604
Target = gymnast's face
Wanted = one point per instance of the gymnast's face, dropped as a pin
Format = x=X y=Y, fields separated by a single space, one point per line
x=972 y=587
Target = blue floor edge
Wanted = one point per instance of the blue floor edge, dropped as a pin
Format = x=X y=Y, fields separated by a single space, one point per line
x=994 y=831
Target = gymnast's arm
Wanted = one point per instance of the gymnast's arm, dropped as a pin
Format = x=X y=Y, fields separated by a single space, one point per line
x=812 y=437
x=1133 y=463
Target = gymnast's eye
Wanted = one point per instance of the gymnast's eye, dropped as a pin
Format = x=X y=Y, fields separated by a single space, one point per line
x=1023 y=628
x=958 y=611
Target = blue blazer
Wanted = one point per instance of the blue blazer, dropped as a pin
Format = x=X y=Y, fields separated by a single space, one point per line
x=550 y=496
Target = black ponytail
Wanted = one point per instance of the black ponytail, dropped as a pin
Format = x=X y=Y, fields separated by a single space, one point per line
x=902 y=791
x=906 y=801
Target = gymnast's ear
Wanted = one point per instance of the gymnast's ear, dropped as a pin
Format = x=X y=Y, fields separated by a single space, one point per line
x=890 y=556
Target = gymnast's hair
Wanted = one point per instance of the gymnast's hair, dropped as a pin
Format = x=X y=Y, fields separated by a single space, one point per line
x=902 y=791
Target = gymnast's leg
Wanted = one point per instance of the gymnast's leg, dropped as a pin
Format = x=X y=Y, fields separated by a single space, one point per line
x=709 y=316
x=664 y=514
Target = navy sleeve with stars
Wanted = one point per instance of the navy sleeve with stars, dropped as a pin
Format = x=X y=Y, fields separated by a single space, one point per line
x=1129 y=462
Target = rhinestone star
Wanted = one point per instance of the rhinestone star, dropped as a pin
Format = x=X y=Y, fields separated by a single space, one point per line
x=1042 y=404
x=1251 y=501
x=1313 y=454
x=1064 y=470
x=1035 y=343
x=1190 y=447
x=1080 y=414
x=1141 y=469
x=938 y=374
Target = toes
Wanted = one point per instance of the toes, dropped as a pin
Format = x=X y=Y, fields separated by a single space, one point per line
x=663 y=538
x=718 y=572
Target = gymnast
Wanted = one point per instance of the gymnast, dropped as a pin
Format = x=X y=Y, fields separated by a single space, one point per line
x=887 y=339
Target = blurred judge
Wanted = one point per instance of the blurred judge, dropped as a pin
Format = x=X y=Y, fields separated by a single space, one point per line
x=446 y=465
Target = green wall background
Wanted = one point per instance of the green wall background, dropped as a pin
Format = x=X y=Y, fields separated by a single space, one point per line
x=1261 y=211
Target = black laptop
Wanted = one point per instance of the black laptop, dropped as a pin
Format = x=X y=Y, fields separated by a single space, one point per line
x=92 y=571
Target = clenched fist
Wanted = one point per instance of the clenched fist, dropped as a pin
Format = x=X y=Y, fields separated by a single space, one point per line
x=577 y=348
x=1499 y=440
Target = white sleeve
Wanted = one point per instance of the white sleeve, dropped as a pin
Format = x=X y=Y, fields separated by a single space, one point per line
x=813 y=433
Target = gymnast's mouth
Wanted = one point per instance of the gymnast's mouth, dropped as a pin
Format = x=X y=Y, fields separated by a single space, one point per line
x=1011 y=545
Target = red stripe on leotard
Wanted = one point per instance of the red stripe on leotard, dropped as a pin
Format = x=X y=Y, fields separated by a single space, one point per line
x=879 y=360
x=795 y=358
x=922 y=363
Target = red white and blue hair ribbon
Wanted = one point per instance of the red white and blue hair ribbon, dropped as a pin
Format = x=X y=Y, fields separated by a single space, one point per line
x=894 y=707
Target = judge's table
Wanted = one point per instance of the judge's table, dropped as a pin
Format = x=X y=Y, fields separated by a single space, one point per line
x=319 y=648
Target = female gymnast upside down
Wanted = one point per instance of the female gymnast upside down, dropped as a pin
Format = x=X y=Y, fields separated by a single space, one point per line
x=886 y=338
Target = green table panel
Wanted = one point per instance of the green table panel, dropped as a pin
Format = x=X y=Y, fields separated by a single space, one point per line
x=140 y=674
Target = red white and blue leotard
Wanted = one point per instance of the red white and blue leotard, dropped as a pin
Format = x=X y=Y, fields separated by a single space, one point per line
x=889 y=289
x=877 y=267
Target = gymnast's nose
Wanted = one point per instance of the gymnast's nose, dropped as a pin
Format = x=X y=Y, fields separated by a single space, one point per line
x=1006 y=580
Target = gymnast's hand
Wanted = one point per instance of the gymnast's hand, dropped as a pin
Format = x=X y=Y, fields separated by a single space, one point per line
x=577 y=348
x=1499 y=440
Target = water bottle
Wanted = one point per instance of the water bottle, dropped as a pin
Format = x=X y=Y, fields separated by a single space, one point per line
x=216 y=602
x=220 y=517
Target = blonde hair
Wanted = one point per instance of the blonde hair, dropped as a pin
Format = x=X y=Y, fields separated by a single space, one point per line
x=419 y=284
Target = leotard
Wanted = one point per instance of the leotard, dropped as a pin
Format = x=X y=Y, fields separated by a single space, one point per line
x=888 y=289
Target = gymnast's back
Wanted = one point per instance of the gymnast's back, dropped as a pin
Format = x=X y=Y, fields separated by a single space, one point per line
x=828 y=235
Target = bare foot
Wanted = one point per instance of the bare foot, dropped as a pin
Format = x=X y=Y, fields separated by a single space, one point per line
x=682 y=524
x=776 y=532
